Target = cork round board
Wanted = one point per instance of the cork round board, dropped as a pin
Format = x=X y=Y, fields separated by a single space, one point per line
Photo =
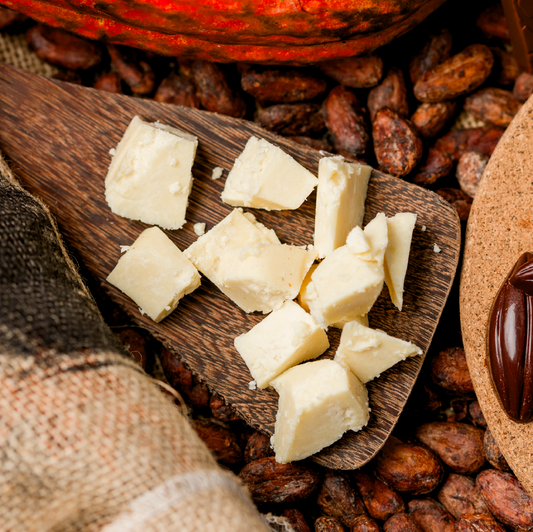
x=500 y=229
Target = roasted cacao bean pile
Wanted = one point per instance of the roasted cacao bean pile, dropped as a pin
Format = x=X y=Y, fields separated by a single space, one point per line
x=428 y=108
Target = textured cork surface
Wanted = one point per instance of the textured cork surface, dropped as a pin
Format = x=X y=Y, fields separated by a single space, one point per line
x=500 y=229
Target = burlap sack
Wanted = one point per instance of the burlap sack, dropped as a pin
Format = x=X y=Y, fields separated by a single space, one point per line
x=87 y=441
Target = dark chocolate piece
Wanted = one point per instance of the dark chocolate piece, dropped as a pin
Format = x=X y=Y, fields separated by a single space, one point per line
x=519 y=15
x=522 y=276
x=510 y=345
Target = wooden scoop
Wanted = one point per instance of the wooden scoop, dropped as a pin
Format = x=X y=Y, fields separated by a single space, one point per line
x=500 y=229
x=59 y=135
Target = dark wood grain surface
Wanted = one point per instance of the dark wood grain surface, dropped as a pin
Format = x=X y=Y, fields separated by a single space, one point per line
x=58 y=137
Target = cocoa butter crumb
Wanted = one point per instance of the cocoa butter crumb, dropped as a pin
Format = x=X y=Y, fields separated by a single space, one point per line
x=252 y=385
x=199 y=228
x=424 y=228
x=123 y=249
x=436 y=248
x=217 y=173
x=112 y=151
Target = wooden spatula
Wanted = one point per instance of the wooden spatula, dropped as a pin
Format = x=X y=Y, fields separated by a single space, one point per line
x=59 y=135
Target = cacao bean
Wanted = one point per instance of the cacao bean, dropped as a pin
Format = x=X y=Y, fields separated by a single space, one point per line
x=292 y=118
x=438 y=164
x=364 y=524
x=460 y=201
x=62 y=48
x=136 y=73
x=470 y=170
x=221 y=410
x=282 y=85
x=450 y=370
x=345 y=122
x=10 y=18
x=381 y=502
x=296 y=520
x=316 y=144
x=476 y=415
x=397 y=144
x=460 y=495
x=338 y=499
x=459 y=411
x=493 y=453
x=506 y=499
x=456 y=76
x=219 y=440
x=478 y=523
x=357 y=72
x=505 y=66
x=458 y=445
x=523 y=87
x=480 y=139
x=408 y=467
x=391 y=93
x=258 y=446
x=435 y=51
x=430 y=118
x=492 y=22
x=328 y=524
x=431 y=515
x=135 y=344
x=401 y=522
x=271 y=482
x=177 y=90
x=110 y=82
x=493 y=106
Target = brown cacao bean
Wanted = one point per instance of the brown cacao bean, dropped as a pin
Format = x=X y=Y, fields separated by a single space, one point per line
x=523 y=87
x=136 y=73
x=493 y=106
x=430 y=118
x=458 y=445
x=110 y=82
x=470 y=170
x=62 y=48
x=476 y=415
x=356 y=72
x=431 y=515
x=135 y=343
x=450 y=370
x=328 y=524
x=480 y=139
x=338 y=499
x=282 y=85
x=397 y=144
x=401 y=522
x=460 y=496
x=316 y=144
x=381 y=502
x=345 y=122
x=438 y=164
x=456 y=76
x=435 y=51
x=292 y=118
x=271 y=482
x=505 y=66
x=296 y=520
x=258 y=446
x=493 y=23
x=493 y=453
x=178 y=90
x=460 y=201
x=478 y=523
x=222 y=442
x=364 y=524
x=391 y=93
x=408 y=467
x=506 y=499
x=10 y=18
x=221 y=410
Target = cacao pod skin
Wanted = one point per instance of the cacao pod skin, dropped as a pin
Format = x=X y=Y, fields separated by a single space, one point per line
x=259 y=31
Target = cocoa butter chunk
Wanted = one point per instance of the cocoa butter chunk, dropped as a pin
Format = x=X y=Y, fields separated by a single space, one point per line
x=401 y=522
x=459 y=446
x=282 y=85
x=272 y=482
x=459 y=75
x=493 y=453
x=381 y=502
x=365 y=524
x=480 y=139
x=356 y=72
x=220 y=441
x=460 y=495
x=407 y=467
x=438 y=164
x=506 y=499
x=346 y=122
x=338 y=499
x=450 y=370
x=478 y=523
x=430 y=118
x=397 y=143
x=435 y=51
x=470 y=170
x=292 y=118
x=431 y=515
x=492 y=105
x=523 y=87
x=390 y=93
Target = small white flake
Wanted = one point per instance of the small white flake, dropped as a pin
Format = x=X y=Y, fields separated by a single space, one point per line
x=112 y=152
x=199 y=228
x=175 y=188
x=217 y=173
x=173 y=162
x=436 y=248
x=141 y=311
x=123 y=249
x=252 y=385
x=167 y=307
x=424 y=228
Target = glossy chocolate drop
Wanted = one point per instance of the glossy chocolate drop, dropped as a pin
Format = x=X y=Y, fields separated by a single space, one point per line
x=522 y=276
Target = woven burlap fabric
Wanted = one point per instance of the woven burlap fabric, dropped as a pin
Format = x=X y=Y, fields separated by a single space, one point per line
x=87 y=440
